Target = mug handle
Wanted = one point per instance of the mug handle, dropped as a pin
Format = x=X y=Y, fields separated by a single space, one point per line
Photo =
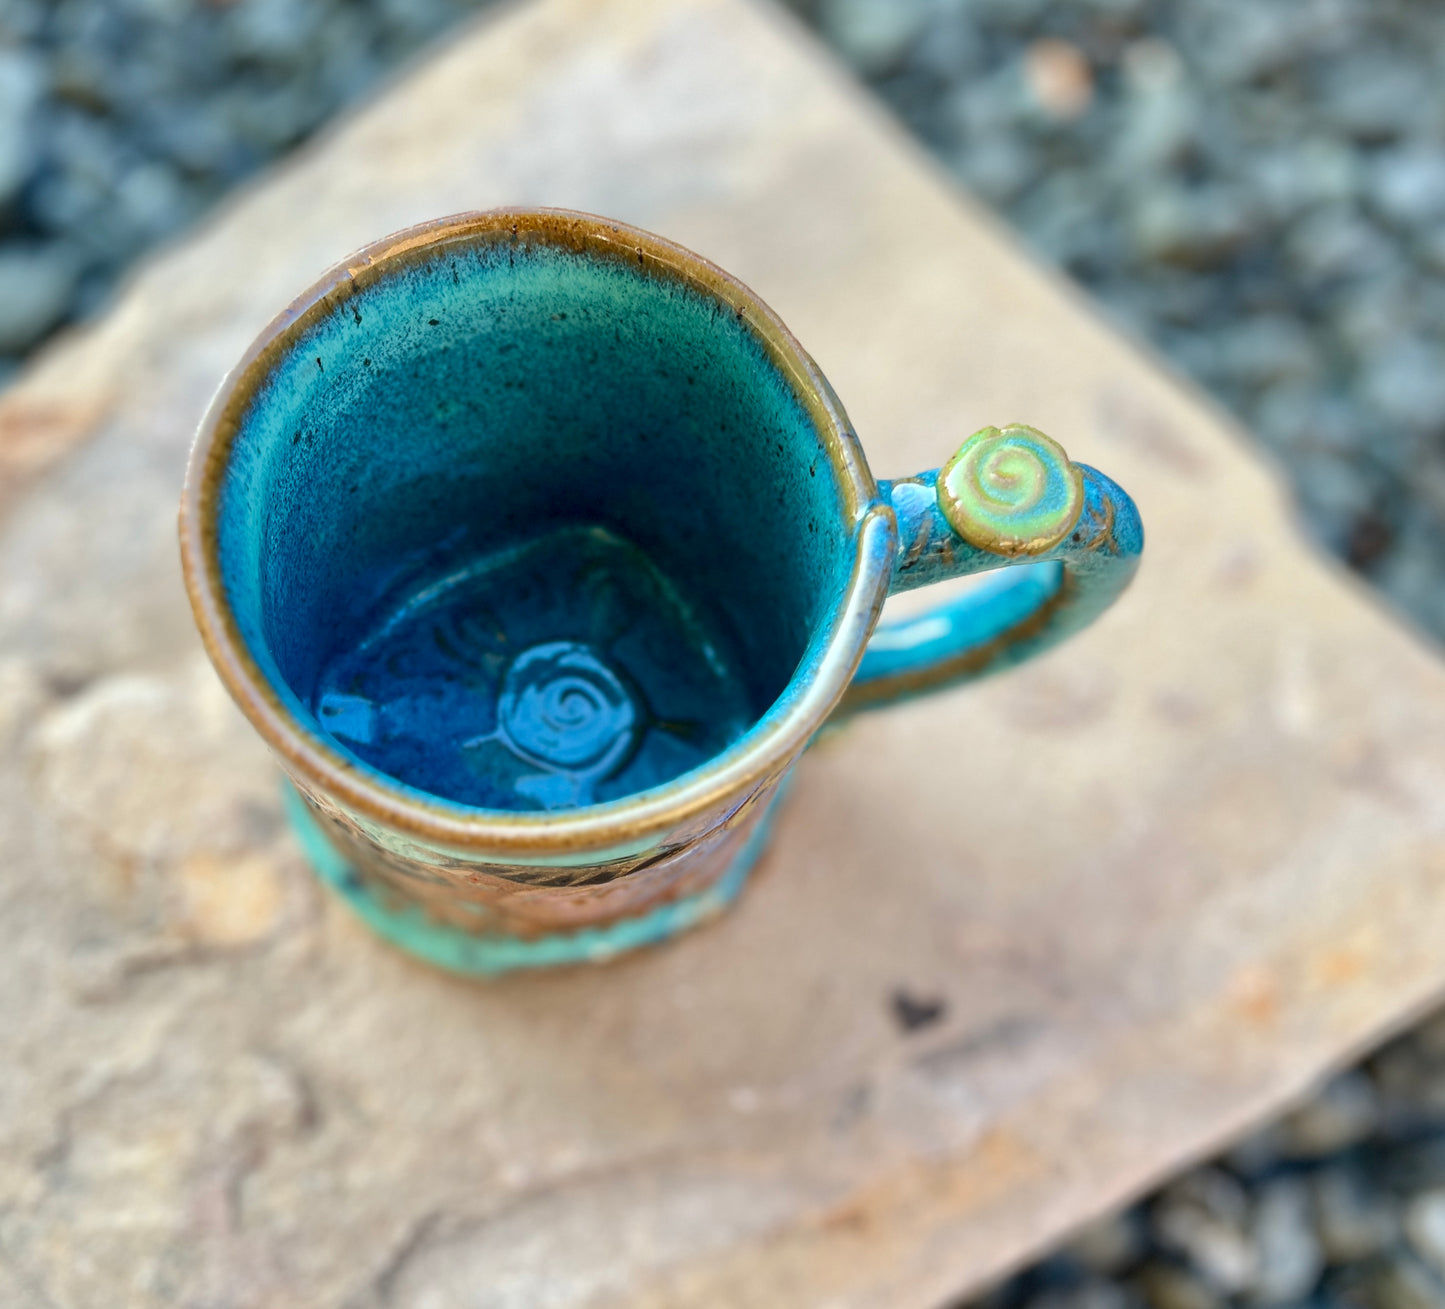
x=1009 y=497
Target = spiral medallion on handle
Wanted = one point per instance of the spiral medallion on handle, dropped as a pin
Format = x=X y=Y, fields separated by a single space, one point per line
x=1011 y=491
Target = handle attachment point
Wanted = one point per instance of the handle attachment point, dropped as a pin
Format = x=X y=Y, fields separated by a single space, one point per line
x=1066 y=537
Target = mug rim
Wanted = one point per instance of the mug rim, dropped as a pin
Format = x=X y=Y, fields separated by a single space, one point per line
x=762 y=752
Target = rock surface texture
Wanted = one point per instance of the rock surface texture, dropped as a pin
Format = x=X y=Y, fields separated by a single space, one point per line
x=1016 y=952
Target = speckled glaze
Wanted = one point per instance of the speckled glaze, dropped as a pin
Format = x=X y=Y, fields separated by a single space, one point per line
x=538 y=550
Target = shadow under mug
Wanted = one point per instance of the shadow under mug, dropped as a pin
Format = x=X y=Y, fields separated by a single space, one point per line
x=538 y=550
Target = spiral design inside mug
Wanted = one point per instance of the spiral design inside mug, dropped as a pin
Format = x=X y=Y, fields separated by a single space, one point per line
x=562 y=707
x=1011 y=491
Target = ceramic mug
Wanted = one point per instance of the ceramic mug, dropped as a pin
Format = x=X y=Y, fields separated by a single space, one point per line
x=538 y=550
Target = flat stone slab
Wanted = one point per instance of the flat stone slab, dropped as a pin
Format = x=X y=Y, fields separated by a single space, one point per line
x=1157 y=882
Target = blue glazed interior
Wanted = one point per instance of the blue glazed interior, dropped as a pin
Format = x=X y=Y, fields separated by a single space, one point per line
x=524 y=528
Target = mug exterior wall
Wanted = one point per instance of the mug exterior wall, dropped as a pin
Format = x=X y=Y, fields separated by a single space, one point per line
x=528 y=901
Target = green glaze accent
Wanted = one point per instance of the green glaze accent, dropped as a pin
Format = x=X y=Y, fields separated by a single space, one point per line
x=1011 y=491
x=490 y=956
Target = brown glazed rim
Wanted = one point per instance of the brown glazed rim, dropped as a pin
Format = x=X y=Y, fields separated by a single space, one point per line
x=599 y=829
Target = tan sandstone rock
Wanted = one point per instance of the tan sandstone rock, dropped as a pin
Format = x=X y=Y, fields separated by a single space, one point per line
x=1158 y=881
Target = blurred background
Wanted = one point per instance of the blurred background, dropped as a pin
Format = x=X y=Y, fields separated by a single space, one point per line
x=1256 y=188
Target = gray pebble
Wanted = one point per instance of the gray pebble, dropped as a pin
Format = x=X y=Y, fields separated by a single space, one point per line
x=1124 y=13
x=1343 y=1113
x=997 y=167
x=1192 y=227
x=23 y=82
x=164 y=11
x=1337 y=242
x=1372 y=316
x=1268 y=348
x=1016 y=16
x=1402 y=1072
x=1160 y=111
x=274 y=32
x=1399 y=1282
x=1166 y=1286
x=1376 y=96
x=1407 y=184
x=197 y=138
x=950 y=46
x=270 y=119
x=1403 y=383
x=1288 y=1255
x=1256 y=1155
x=1332 y=490
x=1203 y=1217
x=1293 y=179
x=1354 y=1220
x=35 y=287
x=872 y=34
x=1111 y=1244
x=76 y=196
x=1066 y=221
x=983 y=108
x=1091 y=1293
x=151 y=200
x=1429 y=481
x=415 y=20
x=1429 y=1039
x=1304 y=420
x=1409 y=578
x=1239 y=43
x=1425 y=1227
x=21 y=20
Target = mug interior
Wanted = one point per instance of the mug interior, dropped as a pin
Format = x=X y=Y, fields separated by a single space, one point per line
x=523 y=525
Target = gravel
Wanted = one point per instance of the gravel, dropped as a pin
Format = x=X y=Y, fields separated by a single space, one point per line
x=1340 y=1205
x=1204 y=1219
x=121 y=121
x=1425 y=1227
x=1289 y=1250
x=1256 y=187
x=23 y=83
x=36 y=285
x=1354 y=1217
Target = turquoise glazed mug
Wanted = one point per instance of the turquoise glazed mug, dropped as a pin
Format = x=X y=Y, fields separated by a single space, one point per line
x=538 y=550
